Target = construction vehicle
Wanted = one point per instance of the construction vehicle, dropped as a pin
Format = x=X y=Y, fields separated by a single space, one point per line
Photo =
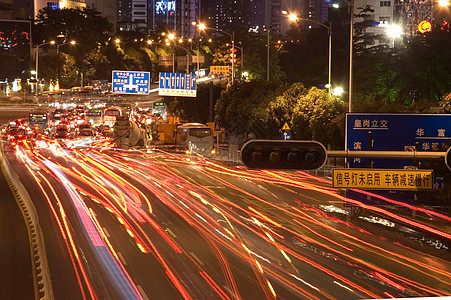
x=127 y=133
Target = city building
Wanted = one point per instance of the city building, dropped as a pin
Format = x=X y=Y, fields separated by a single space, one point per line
x=106 y=7
x=38 y=4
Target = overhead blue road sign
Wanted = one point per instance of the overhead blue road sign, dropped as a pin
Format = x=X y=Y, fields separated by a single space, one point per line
x=131 y=82
x=286 y=135
x=177 y=84
x=396 y=132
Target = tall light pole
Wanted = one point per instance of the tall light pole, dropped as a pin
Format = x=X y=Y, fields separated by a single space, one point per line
x=57 y=52
x=59 y=45
x=37 y=64
x=171 y=37
x=267 y=56
x=351 y=46
x=294 y=17
x=232 y=37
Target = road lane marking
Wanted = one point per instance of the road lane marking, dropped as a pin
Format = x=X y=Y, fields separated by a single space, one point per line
x=196 y=258
x=122 y=258
x=170 y=232
x=141 y=291
x=106 y=232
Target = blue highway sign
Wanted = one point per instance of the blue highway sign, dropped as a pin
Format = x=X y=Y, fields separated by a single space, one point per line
x=131 y=82
x=177 y=84
x=396 y=132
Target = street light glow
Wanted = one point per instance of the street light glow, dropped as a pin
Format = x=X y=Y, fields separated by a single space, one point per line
x=202 y=26
x=293 y=17
x=72 y=42
x=117 y=41
x=443 y=3
x=171 y=36
x=394 y=31
x=337 y=91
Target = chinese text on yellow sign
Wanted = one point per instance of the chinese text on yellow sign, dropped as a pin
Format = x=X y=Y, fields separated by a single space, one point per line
x=383 y=179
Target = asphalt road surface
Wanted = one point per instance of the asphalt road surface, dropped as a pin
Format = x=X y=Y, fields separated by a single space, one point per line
x=155 y=225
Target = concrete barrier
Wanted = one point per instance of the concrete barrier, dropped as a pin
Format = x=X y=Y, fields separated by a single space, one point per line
x=41 y=274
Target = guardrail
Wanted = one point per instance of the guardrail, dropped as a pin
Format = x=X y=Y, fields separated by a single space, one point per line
x=229 y=153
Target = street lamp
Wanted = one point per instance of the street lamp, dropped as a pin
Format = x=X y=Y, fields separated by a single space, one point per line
x=393 y=31
x=232 y=37
x=37 y=64
x=187 y=54
x=171 y=37
x=59 y=45
x=295 y=18
x=57 y=52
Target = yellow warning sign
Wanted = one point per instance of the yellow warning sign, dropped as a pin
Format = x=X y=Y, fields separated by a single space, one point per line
x=383 y=179
x=285 y=126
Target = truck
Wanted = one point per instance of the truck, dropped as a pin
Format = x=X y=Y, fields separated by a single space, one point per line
x=128 y=133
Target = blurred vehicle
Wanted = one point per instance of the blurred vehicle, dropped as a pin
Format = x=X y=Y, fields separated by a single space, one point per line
x=59 y=114
x=79 y=109
x=18 y=137
x=105 y=131
x=110 y=115
x=84 y=129
x=128 y=133
x=38 y=120
x=194 y=138
x=94 y=116
x=62 y=131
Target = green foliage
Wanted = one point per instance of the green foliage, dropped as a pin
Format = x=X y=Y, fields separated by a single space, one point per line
x=245 y=108
x=86 y=26
x=264 y=107
x=194 y=109
x=318 y=116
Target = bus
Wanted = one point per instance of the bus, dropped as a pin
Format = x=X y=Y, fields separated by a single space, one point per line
x=159 y=108
x=38 y=119
x=94 y=116
x=194 y=138
x=110 y=114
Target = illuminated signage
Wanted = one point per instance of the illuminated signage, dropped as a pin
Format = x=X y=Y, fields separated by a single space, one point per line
x=385 y=179
x=424 y=26
x=165 y=7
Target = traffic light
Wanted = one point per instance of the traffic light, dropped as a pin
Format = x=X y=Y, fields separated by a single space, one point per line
x=233 y=55
x=291 y=154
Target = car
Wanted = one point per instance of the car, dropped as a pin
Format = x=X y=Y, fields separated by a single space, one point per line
x=84 y=129
x=62 y=131
x=18 y=137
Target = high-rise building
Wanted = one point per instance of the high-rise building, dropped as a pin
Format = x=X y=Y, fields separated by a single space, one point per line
x=106 y=7
x=58 y=4
x=159 y=15
x=226 y=14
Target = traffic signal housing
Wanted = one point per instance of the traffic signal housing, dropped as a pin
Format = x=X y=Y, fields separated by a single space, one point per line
x=448 y=158
x=290 y=154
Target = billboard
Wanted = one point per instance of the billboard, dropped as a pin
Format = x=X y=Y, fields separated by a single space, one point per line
x=15 y=41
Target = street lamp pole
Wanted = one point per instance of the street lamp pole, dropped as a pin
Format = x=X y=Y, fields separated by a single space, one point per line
x=351 y=43
x=267 y=57
x=293 y=17
x=57 y=52
x=232 y=37
x=37 y=65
